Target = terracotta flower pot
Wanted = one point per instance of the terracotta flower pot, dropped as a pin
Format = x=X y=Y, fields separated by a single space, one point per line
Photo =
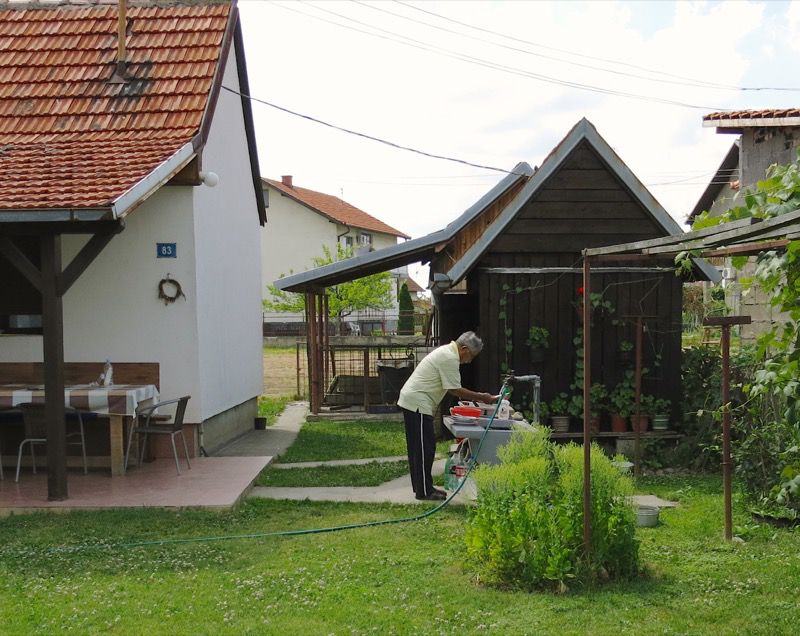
x=644 y=421
x=619 y=423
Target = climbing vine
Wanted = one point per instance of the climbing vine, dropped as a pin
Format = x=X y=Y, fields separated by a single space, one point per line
x=773 y=397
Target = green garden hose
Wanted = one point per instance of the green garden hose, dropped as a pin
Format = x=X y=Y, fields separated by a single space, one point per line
x=352 y=526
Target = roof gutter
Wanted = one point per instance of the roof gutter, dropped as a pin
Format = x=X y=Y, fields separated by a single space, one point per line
x=55 y=215
x=136 y=195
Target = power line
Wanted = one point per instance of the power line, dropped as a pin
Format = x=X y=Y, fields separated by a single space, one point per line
x=681 y=82
x=595 y=58
x=370 y=137
x=413 y=43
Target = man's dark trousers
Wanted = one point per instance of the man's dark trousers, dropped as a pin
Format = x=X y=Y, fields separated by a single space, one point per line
x=421 y=450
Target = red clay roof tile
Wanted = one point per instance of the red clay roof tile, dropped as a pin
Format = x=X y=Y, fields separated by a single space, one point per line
x=68 y=138
x=769 y=113
x=336 y=209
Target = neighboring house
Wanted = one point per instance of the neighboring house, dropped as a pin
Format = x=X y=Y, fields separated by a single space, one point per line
x=513 y=261
x=766 y=137
x=301 y=222
x=96 y=146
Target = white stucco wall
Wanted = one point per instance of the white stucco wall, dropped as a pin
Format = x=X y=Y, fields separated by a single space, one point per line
x=294 y=236
x=227 y=233
x=113 y=311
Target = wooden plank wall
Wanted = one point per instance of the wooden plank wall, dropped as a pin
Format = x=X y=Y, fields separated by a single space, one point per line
x=582 y=205
x=82 y=372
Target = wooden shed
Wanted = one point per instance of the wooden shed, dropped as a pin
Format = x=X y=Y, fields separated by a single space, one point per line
x=513 y=261
x=502 y=276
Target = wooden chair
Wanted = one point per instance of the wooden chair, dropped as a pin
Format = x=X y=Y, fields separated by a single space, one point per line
x=35 y=423
x=145 y=423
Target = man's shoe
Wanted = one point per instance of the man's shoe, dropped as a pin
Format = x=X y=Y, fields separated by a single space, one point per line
x=433 y=495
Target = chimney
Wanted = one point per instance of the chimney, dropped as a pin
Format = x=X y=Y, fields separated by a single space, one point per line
x=120 y=75
x=287 y=180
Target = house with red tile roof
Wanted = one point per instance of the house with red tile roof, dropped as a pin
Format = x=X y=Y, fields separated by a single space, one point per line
x=763 y=137
x=301 y=223
x=128 y=174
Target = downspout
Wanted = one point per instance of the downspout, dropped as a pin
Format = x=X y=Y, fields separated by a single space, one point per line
x=441 y=283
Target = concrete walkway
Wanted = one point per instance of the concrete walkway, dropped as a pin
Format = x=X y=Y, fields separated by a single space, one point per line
x=273 y=441
x=276 y=439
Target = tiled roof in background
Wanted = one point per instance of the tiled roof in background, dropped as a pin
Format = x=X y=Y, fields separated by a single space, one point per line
x=68 y=138
x=336 y=209
x=768 y=113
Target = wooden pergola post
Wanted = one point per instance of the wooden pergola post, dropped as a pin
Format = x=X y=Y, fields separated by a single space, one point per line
x=311 y=328
x=726 y=322
x=587 y=408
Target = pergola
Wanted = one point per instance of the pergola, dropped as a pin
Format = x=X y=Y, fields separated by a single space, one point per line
x=745 y=237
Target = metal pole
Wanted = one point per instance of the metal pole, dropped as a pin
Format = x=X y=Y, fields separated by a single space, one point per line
x=637 y=409
x=726 y=428
x=587 y=442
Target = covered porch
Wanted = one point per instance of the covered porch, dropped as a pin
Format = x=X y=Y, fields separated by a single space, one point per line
x=212 y=482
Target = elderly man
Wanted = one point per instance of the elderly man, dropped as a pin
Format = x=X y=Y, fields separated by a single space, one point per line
x=436 y=375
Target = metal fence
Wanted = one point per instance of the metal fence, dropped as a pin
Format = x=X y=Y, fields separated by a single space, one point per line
x=361 y=375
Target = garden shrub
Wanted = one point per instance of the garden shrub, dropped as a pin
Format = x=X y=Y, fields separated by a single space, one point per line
x=526 y=529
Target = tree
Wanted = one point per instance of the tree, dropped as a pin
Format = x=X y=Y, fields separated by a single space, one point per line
x=369 y=292
x=405 y=323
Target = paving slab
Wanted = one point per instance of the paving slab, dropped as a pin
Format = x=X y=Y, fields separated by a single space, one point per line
x=652 y=500
x=396 y=491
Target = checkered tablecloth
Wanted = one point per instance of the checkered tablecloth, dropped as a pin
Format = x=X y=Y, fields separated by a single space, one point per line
x=117 y=399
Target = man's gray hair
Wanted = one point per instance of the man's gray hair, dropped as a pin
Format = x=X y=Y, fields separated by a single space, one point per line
x=470 y=341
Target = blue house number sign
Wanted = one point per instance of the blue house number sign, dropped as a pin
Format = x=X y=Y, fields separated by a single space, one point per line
x=166 y=250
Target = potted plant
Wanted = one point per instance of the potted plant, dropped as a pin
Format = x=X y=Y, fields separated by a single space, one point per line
x=621 y=403
x=661 y=410
x=538 y=340
x=646 y=406
x=598 y=394
x=559 y=413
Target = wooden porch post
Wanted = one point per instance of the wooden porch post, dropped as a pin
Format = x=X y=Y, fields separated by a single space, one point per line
x=53 y=355
x=311 y=301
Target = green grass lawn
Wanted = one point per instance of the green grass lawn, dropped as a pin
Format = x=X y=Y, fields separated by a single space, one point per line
x=371 y=474
x=271 y=407
x=397 y=579
x=326 y=440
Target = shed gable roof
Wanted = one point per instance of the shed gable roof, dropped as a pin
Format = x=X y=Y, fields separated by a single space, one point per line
x=68 y=137
x=418 y=249
x=335 y=209
x=582 y=132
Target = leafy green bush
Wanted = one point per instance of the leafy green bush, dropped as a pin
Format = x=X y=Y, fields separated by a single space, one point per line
x=526 y=529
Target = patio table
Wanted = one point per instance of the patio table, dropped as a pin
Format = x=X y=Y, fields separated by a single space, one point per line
x=118 y=401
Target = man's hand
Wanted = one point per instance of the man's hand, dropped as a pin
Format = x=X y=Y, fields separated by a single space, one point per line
x=488 y=398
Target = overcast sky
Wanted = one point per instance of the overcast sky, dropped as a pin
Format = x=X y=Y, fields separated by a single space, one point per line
x=495 y=83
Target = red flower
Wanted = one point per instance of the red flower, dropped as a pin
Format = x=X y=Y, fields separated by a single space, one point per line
x=580 y=291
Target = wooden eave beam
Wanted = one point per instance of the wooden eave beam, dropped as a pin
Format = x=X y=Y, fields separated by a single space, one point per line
x=84 y=258
x=189 y=175
x=665 y=240
x=23 y=264
x=747 y=249
x=765 y=227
